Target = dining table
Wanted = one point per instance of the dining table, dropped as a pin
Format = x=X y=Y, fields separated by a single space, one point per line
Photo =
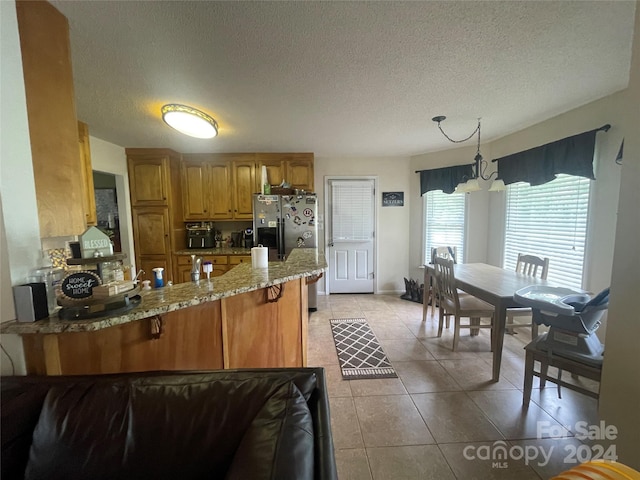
x=492 y=284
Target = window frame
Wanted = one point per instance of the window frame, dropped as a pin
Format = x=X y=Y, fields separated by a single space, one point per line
x=461 y=249
x=585 y=207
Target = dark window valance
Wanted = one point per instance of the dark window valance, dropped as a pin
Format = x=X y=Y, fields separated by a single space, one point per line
x=445 y=179
x=571 y=155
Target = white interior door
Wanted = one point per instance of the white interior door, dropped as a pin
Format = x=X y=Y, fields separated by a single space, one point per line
x=351 y=235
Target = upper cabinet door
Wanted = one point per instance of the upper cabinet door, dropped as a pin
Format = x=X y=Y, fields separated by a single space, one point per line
x=220 y=190
x=244 y=180
x=300 y=172
x=195 y=187
x=274 y=163
x=148 y=181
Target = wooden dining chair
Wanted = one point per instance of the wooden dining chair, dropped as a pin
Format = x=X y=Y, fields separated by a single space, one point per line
x=444 y=252
x=431 y=290
x=460 y=304
x=534 y=267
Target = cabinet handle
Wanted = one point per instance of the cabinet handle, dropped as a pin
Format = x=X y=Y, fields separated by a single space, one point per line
x=274 y=292
x=157 y=327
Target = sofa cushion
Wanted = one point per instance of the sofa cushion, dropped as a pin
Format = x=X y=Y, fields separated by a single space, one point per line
x=279 y=442
x=154 y=427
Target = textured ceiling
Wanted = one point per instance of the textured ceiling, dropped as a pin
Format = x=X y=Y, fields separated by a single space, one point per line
x=340 y=78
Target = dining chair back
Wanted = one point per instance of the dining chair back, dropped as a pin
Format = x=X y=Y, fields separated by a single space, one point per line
x=444 y=252
x=460 y=304
x=431 y=289
x=532 y=266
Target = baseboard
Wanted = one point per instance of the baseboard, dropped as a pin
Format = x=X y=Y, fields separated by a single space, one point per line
x=390 y=292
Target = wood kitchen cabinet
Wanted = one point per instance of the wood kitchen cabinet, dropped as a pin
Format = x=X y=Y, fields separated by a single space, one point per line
x=221 y=190
x=206 y=188
x=51 y=112
x=91 y=216
x=190 y=339
x=148 y=181
x=156 y=207
x=244 y=186
x=221 y=186
x=218 y=186
x=294 y=168
x=299 y=171
x=152 y=230
x=196 y=188
x=221 y=265
x=238 y=259
x=275 y=165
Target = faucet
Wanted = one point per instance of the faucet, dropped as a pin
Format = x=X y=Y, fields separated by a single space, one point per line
x=195 y=268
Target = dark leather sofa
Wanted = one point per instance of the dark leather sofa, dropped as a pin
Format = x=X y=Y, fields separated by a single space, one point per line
x=227 y=424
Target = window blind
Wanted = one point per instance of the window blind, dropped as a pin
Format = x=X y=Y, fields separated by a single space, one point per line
x=444 y=219
x=351 y=210
x=549 y=220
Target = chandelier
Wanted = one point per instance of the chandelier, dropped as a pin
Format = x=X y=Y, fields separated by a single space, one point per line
x=480 y=165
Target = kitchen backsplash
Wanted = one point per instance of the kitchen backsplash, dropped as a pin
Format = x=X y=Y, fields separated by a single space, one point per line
x=227 y=228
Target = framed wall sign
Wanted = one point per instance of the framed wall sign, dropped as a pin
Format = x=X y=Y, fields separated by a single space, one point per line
x=393 y=199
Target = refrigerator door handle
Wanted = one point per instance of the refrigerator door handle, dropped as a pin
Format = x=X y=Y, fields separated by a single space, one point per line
x=281 y=238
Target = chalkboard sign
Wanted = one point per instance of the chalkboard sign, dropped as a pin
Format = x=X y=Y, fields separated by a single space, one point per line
x=393 y=199
x=79 y=285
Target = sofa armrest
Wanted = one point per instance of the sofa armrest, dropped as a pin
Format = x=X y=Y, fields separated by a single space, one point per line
x=325 y=466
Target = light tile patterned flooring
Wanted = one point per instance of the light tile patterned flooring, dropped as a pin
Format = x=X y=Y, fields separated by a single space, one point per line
x=443 y=404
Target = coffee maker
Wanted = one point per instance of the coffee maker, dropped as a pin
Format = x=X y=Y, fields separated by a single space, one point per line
x=248 y=238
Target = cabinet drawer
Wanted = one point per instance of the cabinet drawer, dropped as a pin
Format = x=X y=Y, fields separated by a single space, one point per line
x=237 y=259
x=215 y=259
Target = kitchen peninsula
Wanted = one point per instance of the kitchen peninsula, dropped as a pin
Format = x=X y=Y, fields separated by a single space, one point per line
x=246 y=318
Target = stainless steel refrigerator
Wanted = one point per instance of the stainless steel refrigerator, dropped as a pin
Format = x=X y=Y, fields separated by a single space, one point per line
x=285 y=222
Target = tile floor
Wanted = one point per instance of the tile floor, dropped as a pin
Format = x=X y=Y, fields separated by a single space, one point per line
x=443 y=407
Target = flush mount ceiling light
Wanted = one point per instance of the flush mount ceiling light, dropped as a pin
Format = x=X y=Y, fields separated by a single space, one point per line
x=189 y=121
x=472 y=184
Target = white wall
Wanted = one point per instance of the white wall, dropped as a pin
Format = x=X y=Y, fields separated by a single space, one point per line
x=620 y=388
x=19 y=225
x=110 y=158
x=392 y=223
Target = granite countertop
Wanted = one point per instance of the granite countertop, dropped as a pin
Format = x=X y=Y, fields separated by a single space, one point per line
x=215 y=251
x=302 y=262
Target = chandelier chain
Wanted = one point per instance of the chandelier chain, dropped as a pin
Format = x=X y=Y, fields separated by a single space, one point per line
x=463 y=140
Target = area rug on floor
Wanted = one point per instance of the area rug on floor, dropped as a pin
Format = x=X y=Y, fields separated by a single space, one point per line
x=359 y=352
